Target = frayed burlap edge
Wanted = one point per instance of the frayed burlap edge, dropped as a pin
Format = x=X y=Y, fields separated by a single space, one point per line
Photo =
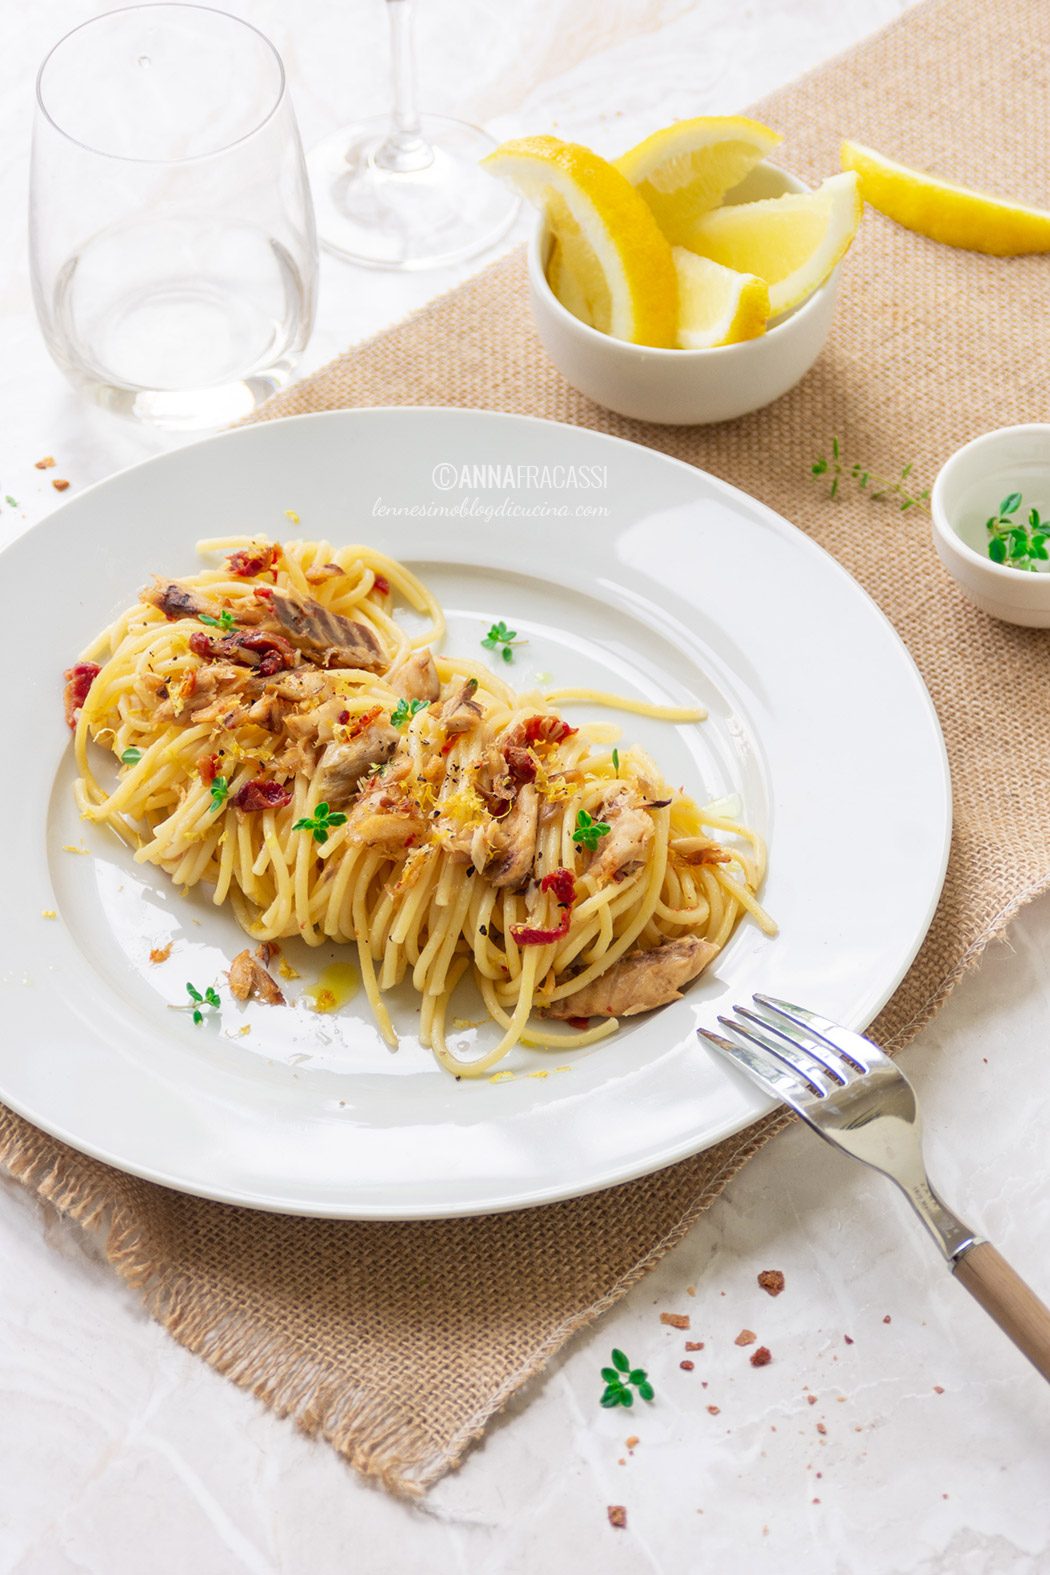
x=286 y=1377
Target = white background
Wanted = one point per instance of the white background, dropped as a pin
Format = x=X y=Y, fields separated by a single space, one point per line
x=121 y=1454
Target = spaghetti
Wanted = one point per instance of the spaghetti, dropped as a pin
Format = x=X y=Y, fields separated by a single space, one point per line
x=282 y=739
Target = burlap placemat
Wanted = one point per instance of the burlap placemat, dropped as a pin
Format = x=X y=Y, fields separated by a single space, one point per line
x=354 y=1328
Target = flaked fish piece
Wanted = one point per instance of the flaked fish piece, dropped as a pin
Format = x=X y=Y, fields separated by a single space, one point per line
x=640 y=982
x=416 y=678
x=249 y=980
x=176 y=600
x=342 y=766
x=460 y=711
x=503 y=850
x=628 y=841
x=205 y=693
x=327 y=637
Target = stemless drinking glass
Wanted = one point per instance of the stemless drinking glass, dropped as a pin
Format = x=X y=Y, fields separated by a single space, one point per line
x=172 y=239
x=404 y=190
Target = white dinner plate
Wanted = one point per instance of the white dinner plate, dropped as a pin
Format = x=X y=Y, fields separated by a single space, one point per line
x=682 y=588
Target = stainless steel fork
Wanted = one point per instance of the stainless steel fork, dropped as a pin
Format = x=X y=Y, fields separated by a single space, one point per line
x=857 y=1099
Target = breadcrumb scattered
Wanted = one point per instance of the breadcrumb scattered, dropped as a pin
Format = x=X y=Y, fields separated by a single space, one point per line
x=60 y=486
x=48 y=913
x=675 y=1320
x=618 y=1516
x=746 y=1337
x=694 y=1345
x=160 y=954
x=772 y=1281
x=46 y=463
x=714 y=1410
x=811 y=1399
x=762 y=1357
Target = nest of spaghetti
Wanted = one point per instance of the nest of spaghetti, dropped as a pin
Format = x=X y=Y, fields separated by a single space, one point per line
x=282 y=739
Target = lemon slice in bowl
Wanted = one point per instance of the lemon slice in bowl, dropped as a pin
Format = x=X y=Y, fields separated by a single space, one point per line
x=686 y=169
x=792 y=242
x=607 y=238
x=716 y=305
x=944 y=212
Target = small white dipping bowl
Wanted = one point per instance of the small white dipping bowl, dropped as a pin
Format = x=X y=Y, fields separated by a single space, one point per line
x=967 y=492
x=684 y=387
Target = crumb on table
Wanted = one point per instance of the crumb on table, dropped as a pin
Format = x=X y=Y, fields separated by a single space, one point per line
x=746 y=1337
x=618 y=1516
x=771 y=1280
x=675 y=1320
x=762 y=1357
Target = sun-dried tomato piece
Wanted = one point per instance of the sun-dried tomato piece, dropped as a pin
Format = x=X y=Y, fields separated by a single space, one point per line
x=79 y=679
x=246 y=563
x=262 y=793
x=562 y=883
x=545 y=730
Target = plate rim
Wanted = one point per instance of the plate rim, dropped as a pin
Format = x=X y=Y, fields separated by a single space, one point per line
x=619 y=1174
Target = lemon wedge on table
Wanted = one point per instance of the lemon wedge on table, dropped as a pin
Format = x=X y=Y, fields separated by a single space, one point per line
x=716 y=305
x=792 y=242
x=607 y=239
x=687 y=168
x=944 y=212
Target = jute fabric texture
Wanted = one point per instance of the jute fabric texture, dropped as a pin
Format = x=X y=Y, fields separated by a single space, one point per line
x=353 y=1329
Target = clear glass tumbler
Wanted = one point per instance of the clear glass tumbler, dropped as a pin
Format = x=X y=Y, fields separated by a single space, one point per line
x=171 y=230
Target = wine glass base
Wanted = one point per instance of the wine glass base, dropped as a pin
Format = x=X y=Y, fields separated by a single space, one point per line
x=408 y=219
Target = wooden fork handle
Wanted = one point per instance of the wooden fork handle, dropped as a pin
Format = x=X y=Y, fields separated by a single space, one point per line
x=1006 y=1298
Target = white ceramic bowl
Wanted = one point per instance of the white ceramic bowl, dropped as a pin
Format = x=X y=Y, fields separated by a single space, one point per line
x=684 y=387
x=968 y=490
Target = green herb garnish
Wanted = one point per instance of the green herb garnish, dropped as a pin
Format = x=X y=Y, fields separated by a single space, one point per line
x=878 y=488
x=320 y=822
x=499 y=636
x=224 y=622
x=405 y=710
x=618 y=1379
x=616 y=760
x=11 y=502
x=209 y=998
x=219 y=790
x=589 y=832
x=131 y=757
x=1017 y=543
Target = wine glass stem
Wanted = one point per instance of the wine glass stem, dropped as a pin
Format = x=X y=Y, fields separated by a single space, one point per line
x=405 y=148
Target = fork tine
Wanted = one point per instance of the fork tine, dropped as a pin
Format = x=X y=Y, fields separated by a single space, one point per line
x=756 y=1033
x=864 y=1055
x=807 y=1043
x=769 y=1077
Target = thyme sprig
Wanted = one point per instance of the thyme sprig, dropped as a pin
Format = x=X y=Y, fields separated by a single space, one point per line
x=589 y=832
x=320 y=822
x=1020 y=544
x=618 y=1380
x=880 y=489
x=502 y=639
x=209 y=998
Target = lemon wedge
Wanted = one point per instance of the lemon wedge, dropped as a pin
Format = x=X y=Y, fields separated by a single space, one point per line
x=792 y=242
x=687 y=168
x=716 y=305
x=944 y=212
x=607 y=239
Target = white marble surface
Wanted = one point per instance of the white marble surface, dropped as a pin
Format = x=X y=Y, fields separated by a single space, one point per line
x=120 y=1453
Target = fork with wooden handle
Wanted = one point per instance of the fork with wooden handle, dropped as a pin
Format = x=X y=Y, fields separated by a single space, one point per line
x=857 y=1099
